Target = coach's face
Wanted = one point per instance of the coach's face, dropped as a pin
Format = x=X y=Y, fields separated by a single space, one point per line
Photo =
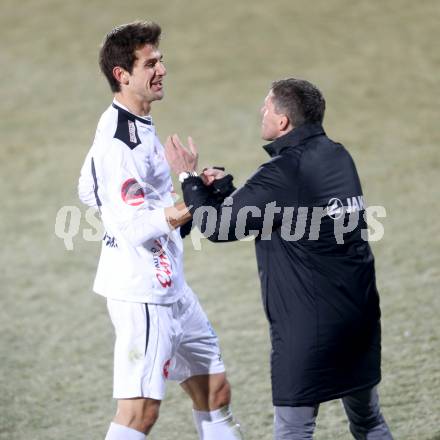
x=273 y=124
x=146 y=79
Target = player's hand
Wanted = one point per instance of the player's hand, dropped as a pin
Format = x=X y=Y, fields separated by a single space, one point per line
x=210 y=174
x=179 y=157
x=177 y=215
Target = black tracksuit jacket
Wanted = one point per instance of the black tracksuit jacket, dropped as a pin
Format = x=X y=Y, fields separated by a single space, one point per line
x=318 y=289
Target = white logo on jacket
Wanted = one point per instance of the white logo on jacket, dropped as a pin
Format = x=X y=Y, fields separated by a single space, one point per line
x=336 y=209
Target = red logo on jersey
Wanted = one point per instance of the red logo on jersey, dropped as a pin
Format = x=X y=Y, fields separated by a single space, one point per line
x=132 y=192
x=166 y=368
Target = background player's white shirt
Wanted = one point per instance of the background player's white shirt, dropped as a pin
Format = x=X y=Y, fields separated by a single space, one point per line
x=125 y=174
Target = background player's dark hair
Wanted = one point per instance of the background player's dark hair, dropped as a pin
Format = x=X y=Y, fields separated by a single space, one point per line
x=120 y=44
x=299 y=100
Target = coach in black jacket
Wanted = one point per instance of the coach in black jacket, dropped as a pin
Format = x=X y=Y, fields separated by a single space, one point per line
x=306 y=210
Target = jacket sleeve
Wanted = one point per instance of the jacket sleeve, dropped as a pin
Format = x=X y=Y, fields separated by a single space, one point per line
x=123 y=195
x=253 y=209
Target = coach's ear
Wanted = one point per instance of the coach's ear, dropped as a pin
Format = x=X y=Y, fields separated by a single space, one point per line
x=284 y=123
x=121 y=75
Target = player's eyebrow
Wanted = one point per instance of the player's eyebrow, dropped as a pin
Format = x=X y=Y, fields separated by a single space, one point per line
x=155 y=59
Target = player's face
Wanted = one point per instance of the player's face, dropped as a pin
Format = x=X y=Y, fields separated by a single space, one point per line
x=146 y=79
x=271 y=120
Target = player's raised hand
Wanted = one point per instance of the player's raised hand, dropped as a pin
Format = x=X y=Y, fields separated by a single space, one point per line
x=179 y=157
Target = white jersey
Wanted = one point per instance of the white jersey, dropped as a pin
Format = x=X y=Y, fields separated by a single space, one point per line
x=126 y=176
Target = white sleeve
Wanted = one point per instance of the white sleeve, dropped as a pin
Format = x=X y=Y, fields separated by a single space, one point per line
x=136 y=219
x=86 y=191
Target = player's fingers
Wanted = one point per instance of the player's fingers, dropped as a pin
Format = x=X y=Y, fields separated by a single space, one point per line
x=169 y=156
x=192 y=146
x=177 y=143
x=169 y=144
x=170 y=150
x=179 y=148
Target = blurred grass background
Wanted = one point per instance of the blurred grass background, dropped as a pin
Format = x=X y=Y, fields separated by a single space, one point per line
x=376 y=62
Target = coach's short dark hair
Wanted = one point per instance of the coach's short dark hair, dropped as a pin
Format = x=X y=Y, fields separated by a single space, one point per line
x=120 y=44
x=299 y=100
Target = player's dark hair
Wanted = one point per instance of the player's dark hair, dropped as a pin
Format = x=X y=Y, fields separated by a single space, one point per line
x=120 y=44
x=299 y=100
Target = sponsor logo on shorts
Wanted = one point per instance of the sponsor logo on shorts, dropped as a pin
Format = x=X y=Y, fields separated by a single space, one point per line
x=132 y=192
x=166 y=368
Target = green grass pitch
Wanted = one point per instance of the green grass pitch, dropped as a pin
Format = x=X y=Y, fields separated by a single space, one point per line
x=377 y=64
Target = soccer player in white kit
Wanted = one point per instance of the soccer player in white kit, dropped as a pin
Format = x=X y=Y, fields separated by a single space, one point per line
x=161 y=330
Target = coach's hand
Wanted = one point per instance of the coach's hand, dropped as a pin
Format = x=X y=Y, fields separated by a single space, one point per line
x=179 y=157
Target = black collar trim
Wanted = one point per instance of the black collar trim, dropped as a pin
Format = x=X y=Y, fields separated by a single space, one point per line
x=147 y=120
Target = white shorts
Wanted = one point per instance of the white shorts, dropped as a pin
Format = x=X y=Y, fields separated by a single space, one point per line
x=158 y=342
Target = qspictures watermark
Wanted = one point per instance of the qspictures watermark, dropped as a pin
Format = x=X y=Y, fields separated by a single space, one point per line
x=68 y=225
x=293 y=223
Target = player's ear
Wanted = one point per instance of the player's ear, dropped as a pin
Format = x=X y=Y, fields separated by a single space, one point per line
x=121 y=75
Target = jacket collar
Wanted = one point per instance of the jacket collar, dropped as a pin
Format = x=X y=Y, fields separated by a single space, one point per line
x=294 y=137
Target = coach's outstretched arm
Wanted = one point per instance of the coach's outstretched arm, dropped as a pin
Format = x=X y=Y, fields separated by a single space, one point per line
x=240 y=212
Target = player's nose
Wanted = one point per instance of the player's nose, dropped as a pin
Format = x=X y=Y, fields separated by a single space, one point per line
x=160 y=69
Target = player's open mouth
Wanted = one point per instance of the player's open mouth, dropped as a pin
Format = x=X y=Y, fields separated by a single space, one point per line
x=157 y=85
